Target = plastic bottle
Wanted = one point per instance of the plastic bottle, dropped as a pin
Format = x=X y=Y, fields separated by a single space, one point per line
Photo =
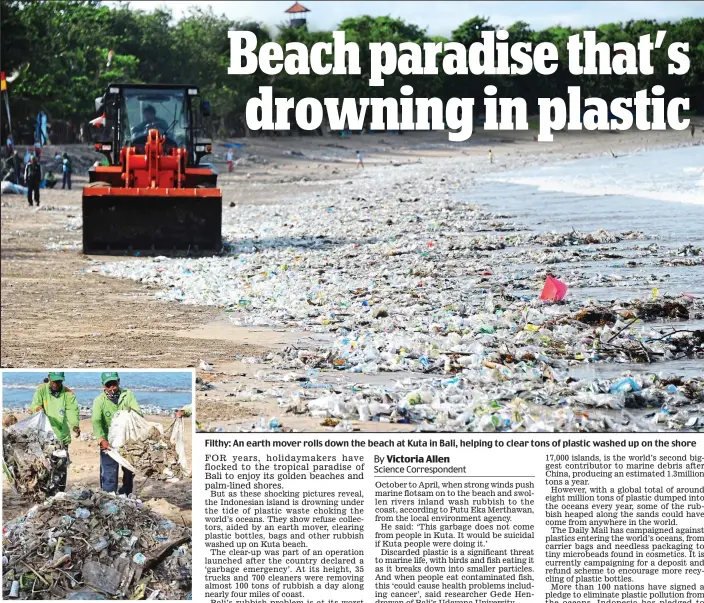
x=364 y=414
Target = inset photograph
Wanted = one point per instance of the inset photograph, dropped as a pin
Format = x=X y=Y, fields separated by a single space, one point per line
x=97 y=490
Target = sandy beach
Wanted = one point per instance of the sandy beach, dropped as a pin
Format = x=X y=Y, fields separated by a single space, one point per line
x=172 y=500
x=58 y=311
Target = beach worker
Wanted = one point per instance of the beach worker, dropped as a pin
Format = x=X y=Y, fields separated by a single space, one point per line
x=491 y=156
x=61 y=408
x=230 y=157
x=67 y=169
x=691 y=129
x=186 y=411
x=33 y=179
x=112 y=399
x=50 y=179
x=360 y=160
x=15 y=163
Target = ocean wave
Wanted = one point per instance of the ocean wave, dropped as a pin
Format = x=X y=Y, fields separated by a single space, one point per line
x=589 y=188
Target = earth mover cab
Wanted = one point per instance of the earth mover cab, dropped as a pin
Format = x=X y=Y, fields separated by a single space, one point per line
x=154 y=194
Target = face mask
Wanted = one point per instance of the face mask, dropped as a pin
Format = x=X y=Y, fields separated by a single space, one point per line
x=113 y=397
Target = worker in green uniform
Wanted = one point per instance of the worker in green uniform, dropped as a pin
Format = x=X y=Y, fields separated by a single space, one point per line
x=186 y=411
x=59 y=405
x=105 y=406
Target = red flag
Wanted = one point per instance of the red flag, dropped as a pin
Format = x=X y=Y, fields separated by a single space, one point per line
x=98 y=122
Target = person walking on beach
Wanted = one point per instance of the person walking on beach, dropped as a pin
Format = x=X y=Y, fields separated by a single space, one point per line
x=105 y=406
x=15 y=162
x=360 y=161
x=61 y=408
x=33 y=179
x=229 y=157
x=67 y=167
x=491 y=156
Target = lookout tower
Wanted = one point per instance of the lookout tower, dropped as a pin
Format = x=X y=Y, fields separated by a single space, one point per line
x=297 y=14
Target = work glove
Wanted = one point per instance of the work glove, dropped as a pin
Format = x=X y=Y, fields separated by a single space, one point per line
x=104 y=445
x=77 y=431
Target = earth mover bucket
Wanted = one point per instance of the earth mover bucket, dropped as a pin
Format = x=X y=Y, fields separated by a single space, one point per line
x=153 y=196
x=116 y=220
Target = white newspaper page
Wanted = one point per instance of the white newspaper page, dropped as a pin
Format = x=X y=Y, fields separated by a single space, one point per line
x=449 y=518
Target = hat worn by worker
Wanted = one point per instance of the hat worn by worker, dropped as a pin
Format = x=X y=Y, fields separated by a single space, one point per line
x=57 y=377
x=107 y=377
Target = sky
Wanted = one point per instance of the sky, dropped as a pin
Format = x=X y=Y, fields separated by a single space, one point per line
x=441 y=17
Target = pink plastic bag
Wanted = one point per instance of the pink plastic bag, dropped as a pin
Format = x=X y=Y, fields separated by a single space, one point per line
x=553 y=290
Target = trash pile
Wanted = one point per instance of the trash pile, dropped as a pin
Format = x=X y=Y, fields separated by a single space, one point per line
x=86 y=410
x=35 y=462
x=428 y=292
x=84 y=544
x=543 y=404
x=154 y=456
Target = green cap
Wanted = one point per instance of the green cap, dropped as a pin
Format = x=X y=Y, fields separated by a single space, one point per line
x=105 y=377
x=57 y=377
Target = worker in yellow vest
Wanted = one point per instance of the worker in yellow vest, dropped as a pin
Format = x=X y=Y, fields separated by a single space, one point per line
x=113 y=399
x=61 y=408
x=186 y=411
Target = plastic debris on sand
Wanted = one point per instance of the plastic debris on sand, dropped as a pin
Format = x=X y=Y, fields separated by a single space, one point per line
x=83 y=544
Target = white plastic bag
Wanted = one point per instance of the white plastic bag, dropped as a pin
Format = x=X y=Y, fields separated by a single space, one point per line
x=37 y=422
x=116 y=456
x=178 y=440
x=9 y=188
x=129 y=426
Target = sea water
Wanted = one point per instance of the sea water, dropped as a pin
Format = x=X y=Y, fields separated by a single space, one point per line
x=166 y=391
x=659 y=192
